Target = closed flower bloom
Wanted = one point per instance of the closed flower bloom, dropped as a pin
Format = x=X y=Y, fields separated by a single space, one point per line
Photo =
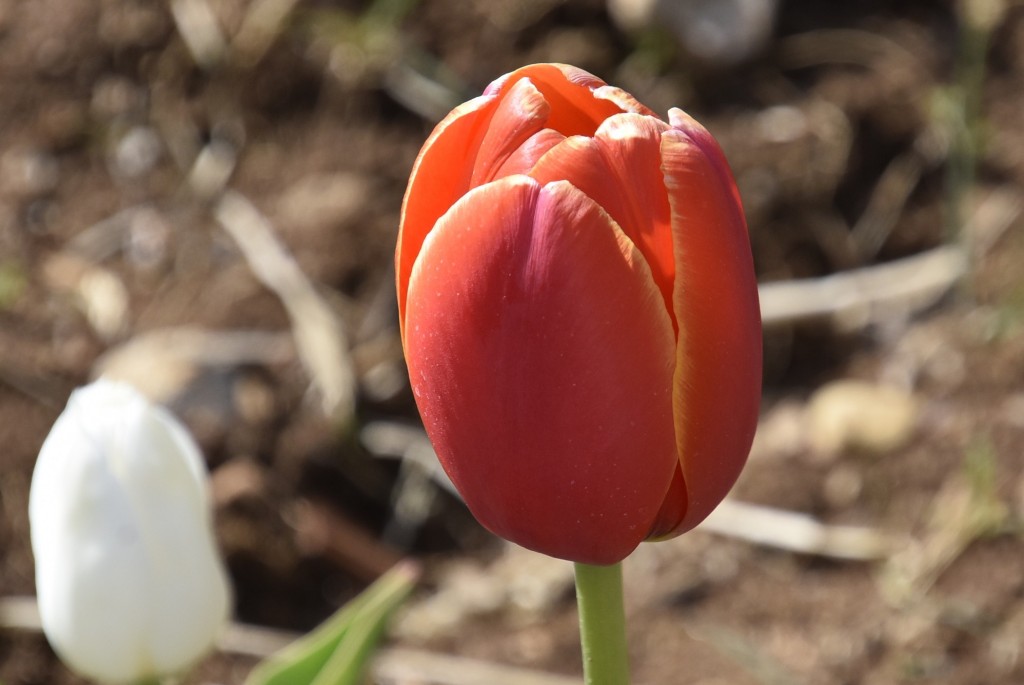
x=579 y=314
x=129 y=581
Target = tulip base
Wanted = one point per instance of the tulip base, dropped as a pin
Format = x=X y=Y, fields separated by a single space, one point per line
x=602 y=624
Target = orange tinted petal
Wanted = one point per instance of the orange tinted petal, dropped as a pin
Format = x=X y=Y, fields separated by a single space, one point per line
x=439 y=177
x=631 y=144
x=623 y=100
x=527 y=154
x=541 y=356
x=620 y=169
x=520 y=114
x=468 y=148
x=672 y=510
x=717 y=386
x=570 y=92
x=702 y=138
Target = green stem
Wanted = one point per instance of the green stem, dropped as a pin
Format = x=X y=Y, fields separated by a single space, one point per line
x=602 y=624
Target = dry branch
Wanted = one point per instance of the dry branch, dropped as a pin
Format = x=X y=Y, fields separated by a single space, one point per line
x=262 y=24
x=866 y=295
x=200 y=30
x=893 y=289
x=796 y=532
x=319 y=334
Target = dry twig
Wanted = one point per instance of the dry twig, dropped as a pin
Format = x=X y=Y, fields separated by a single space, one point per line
x=262 y=24
x=796 y=532
x=898 y=288
x=200 y=30
x=319 y=334
x=866 y=295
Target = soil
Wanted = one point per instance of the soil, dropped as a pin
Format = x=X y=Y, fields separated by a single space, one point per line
x=859 y=135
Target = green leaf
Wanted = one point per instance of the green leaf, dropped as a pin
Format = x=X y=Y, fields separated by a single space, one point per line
x=336 y=652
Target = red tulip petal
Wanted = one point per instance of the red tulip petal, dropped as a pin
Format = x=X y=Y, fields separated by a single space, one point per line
x=570 y=92
x=717 y=385
x=702 y=138
x=602 y=91
x=520 y=114
x=620 y=169
x=622 y=100
x=541 y=358
x=439 y=177
x=527 y=154
x=672 y=511
x=466 y=150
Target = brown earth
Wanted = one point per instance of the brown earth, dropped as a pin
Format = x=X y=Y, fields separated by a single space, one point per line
x=859 y=136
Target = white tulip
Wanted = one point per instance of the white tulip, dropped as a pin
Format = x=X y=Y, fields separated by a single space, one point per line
x=128 y=577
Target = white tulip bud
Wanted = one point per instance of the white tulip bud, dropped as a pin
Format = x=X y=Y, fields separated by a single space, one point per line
x=129 y=580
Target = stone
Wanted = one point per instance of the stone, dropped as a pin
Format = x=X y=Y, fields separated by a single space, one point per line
x=858 y=415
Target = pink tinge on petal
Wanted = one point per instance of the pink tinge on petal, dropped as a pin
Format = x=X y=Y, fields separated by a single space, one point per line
x=496 y=135
x=620 y=169
x=717 y=386
x=631 y=145
x=527 y=154
x=541 y=357
x=702 y=138
x=520 y=114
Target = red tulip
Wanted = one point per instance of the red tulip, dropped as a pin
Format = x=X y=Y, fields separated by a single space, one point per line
x=579 y=314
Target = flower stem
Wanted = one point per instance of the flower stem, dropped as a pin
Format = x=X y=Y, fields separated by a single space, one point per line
x=602 y=624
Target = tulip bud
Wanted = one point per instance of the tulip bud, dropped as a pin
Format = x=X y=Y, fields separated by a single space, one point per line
x=579 y=314
x=129 y=581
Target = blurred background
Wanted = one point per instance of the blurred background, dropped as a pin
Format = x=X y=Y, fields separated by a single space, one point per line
x=202 y=197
